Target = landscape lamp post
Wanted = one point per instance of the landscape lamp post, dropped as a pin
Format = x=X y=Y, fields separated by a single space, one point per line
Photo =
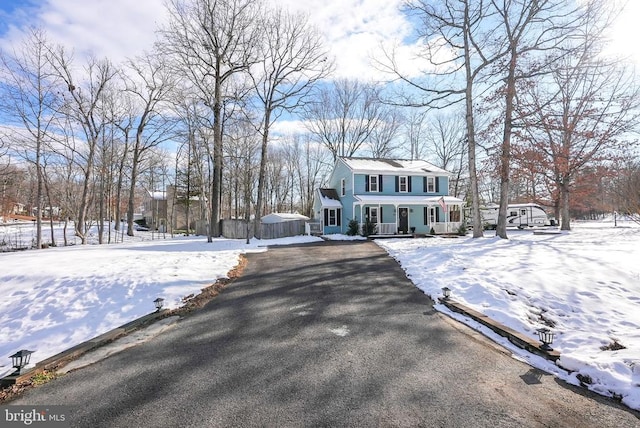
x=446 y=292
x=159 y=302
x=546 y=337
x=19 y=360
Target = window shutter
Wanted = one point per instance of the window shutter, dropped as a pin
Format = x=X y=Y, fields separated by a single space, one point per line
x=380 y=218
x=366 y=213
x=425 y=212
x=397 y=184
x=380 y=183
x=409 y=183
x=326 y=217
x=338 y=217
x=424 y=185
x=437 y=180
x=366 y=183
x=437 y=214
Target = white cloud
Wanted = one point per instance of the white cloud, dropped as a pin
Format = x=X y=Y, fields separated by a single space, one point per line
x=626 y=32
x=107 y=28
x=353 y=29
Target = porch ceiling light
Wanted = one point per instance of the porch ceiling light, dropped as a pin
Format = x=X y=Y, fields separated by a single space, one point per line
x=159 y=302
x=20 y=360
x=546 y=337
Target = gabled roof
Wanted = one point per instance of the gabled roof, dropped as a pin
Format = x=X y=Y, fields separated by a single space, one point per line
x=393 y=166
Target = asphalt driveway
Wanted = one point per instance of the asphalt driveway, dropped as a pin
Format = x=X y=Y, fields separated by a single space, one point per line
x=328 y=334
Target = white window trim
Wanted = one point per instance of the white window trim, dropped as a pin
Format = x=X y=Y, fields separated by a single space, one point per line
x=406 y=184
x=373 y=179
x=431 y=184
x=335 y=216
x=432 y=215
x=371 y=216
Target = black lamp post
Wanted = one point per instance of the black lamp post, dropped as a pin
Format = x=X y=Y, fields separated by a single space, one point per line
x=19 y=360
x=446 y=292
x=159 y=302
x=546 y=337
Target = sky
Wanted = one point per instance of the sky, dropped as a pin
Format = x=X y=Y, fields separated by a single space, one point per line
x=353 y=29
x=585 y=282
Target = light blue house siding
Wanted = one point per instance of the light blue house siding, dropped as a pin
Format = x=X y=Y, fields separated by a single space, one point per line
x=399 y=196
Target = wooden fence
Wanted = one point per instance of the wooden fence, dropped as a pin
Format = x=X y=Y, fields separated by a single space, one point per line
x=237 y=229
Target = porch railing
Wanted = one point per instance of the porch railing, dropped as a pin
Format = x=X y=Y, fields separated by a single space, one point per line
x=387 y=229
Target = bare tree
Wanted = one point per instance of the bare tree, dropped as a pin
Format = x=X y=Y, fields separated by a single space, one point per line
x=149 y=85
x=459 y=45
x=344 y=116
x=383 y=141
x=210 y=42
x=526 y=30
x=578 y=117
x=28 y=100
x=413 y=130
x=293 y=61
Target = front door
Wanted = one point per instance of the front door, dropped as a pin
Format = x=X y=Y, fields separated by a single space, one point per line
x=403 y=222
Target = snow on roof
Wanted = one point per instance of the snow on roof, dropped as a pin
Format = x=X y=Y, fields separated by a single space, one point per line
x=280 y=217
x=393 y=165
x=158 y=195
x=329 y=198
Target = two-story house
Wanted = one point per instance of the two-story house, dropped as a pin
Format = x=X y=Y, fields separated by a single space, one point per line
x=398 y=196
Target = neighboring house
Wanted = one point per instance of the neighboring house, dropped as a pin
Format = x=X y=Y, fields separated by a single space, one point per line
x=398 y=196
x=166 y=211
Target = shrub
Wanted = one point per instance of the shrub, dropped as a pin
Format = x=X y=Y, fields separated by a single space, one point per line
x=368 y=228
x=432 y=231
x=352 y=227
x=462 y=230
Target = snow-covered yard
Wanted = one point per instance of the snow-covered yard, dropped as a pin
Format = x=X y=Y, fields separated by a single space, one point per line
x=584 y=283
x=56 y=298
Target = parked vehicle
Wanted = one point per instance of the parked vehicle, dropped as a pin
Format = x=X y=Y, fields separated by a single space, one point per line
x=518 y=215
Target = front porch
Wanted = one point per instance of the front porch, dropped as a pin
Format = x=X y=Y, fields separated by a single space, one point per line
x=388 y=230
x=408 y=215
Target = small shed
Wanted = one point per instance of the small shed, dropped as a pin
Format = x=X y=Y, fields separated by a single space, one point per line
x=282 y=217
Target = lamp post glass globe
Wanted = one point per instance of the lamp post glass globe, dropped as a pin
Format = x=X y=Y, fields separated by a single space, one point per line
x=446 y=291
x=20 y=360
x=546 y=337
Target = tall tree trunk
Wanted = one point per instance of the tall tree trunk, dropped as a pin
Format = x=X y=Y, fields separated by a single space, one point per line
x=132 y=191
x=471 y=133
x=262 y=175
x=505 y=149
x=565 y=222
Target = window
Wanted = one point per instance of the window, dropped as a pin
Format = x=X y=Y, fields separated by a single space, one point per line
x=430 y=186
x=454 y=213
x=429 y=215
x=513 y=213
x=373 y=214
x=343 y=187
x=523 y=212
x=332 y=217
x=373 y=183
x=404 y=187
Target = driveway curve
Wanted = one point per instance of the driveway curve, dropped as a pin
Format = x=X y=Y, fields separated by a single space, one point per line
x=327 y=334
